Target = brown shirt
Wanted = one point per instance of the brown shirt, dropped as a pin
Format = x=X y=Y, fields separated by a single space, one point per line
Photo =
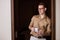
x=43 y=24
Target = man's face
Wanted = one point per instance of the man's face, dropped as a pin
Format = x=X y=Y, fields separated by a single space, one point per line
x=41 y=9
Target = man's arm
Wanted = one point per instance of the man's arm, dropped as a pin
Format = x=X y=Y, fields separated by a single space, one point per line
x=31 y=23
x=31 y=27
x=48 y=32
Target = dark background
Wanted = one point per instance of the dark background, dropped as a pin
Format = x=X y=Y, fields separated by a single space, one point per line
x=23 y=11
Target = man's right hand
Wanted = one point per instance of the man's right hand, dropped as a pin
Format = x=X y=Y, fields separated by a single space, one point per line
x=34 y=33
x=32 y=29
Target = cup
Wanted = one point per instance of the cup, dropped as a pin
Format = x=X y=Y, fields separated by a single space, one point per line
x=36 y=29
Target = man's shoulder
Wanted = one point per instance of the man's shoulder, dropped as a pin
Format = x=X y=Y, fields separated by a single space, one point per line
x=35 y=16
x=48 y=19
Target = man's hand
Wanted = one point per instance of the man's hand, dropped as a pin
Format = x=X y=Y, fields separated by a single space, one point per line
x=32 y=29
x=41 y=33
x=36 y=35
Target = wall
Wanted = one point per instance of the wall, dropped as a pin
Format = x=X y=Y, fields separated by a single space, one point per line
x=5 y=20
x=57 y=19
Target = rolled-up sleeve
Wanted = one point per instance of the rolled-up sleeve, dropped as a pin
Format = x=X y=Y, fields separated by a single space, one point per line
x=31 y=23
x=48 y=32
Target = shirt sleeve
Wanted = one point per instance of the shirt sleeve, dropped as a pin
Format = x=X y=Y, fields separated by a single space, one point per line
x=48 y=32
x=31 y=23
x=49 y=27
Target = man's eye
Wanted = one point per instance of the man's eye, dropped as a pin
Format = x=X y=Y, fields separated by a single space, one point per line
x=41 y=8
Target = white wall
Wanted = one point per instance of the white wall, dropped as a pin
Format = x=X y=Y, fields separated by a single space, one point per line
x=5 y=20
x=57 y=19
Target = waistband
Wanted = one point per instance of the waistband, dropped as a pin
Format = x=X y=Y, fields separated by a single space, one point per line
x=36 y=37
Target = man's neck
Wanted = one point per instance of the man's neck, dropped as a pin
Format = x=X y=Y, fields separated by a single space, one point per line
x=42 y=16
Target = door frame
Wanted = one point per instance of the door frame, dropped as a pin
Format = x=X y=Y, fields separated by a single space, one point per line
x=53 y=19
x=12 y=20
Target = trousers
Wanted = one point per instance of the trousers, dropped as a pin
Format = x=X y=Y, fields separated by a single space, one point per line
x=35 y=38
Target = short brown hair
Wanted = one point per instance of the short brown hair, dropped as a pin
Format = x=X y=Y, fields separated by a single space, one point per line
x=41 y=3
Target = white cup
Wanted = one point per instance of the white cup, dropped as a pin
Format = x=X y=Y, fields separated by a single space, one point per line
x=36 y=29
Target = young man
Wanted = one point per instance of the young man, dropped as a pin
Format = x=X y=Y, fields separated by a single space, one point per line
x=40 y=25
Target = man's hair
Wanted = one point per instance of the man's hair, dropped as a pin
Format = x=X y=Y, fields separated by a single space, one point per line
x=41 y=3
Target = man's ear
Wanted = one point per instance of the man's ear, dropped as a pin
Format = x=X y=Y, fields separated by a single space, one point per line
x=45 y=9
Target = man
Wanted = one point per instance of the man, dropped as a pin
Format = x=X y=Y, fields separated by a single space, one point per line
x=40 y=25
